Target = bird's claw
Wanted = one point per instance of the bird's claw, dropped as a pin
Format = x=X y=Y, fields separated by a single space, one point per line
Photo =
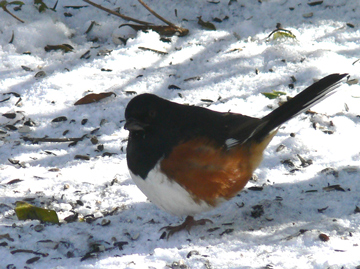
x=186 y=225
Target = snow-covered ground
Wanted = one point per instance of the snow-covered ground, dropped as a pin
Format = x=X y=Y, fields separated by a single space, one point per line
x=294 y=221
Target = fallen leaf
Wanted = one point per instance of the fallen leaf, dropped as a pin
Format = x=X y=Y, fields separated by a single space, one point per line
x=324 y=237
x=352 y=81
x=281 y=33
x=59 y=119
x=10 y=127
x=227 y=231
x=192 y=78
x=333 y=188
x=9 y=115
x=14 y=181
x=273 y=94
x=26 y=211
x=315 y=3
x=233 y=50
x=26 y=68
x=93 y=97
x=82 y=157
x=207 y=100
x=40 y=5
x=63 y=47
x=174 y=87
x=47 y=243
x=40 y=74
x=255 y=188
x=308 y=15
x=6 y=236
x=321 y=210
x=207 y=25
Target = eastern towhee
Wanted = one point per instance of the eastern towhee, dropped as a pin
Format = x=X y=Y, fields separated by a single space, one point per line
x=189 y=159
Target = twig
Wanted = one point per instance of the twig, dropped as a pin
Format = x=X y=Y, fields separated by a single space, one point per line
x=155 y=14
x=29 y=251
x=55 y=140
x=116 y=13
x=169 y=30
x=156 y=51
x=7 y=11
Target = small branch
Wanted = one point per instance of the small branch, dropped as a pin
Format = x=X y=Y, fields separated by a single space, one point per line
x=169 y=30
x=156 y=15
x=55 y=140
x=116 y=13
x=7 y=11
x=156 y=51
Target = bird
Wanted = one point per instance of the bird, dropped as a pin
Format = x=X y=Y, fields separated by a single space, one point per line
x=190 y=159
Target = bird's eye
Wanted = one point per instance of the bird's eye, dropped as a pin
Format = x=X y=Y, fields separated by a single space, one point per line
x=152 y=113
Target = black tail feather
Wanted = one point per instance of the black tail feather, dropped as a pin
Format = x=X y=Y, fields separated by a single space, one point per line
x=300 y=103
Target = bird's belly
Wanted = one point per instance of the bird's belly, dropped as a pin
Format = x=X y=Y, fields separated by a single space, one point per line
x=169 y=195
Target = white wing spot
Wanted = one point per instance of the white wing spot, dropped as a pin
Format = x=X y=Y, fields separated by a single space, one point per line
x=231 y=142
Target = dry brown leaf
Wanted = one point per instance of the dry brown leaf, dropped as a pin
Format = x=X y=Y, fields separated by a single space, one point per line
x=63 y=47
x=206 y=24
x=93 y=97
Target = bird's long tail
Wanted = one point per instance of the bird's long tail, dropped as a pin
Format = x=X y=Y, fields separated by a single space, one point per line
x=300 y=103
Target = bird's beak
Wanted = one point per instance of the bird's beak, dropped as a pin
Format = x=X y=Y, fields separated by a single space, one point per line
x=134 y=125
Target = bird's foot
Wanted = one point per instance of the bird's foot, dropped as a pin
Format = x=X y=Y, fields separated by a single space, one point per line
x=186 y=225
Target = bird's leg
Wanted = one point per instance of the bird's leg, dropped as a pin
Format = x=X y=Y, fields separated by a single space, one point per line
x=186 y=225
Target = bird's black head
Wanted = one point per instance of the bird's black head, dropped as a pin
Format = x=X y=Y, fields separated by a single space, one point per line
x=143 y=111
x=152 y=133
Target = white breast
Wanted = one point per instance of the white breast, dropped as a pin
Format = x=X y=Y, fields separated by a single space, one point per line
x=169 y=195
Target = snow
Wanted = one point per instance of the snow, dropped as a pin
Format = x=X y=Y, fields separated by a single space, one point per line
x=296 y=208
